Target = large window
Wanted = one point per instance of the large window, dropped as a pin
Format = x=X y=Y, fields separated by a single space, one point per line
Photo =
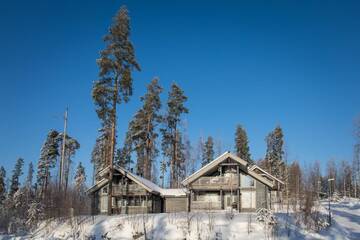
x=247 y=181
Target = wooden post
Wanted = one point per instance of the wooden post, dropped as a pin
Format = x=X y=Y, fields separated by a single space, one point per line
x=238 y=188
x=146 y=203
x=222 y=199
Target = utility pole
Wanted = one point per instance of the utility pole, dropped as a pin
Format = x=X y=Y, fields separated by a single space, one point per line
x=62 y=160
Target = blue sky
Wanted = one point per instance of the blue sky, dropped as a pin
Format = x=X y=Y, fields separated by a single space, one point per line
x=293 y=63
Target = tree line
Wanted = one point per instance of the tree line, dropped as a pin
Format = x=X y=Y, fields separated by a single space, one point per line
x=24 y=205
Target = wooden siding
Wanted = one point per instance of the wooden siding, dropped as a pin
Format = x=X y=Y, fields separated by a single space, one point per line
x=131 y=189
x=261 y=195
x=215 y=183
x=175 y=204
x=203 y=205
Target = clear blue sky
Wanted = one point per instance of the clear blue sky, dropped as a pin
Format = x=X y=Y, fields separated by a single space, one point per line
x=293 y=63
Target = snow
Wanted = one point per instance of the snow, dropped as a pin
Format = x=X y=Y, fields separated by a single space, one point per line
x=177 y=192
x=208 y=225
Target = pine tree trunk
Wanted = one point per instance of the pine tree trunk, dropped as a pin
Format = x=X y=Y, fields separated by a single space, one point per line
x=173 y=161
x=112 y=146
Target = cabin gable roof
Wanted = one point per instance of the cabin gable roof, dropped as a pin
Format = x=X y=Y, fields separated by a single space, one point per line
x=213 y=164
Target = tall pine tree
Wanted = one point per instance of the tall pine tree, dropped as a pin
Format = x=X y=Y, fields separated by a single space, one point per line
x=114 y=85
x=208 y=151
x=17 y=172
x=242 y=144
x=143 y=129
x=275 y=152
x=170 y=132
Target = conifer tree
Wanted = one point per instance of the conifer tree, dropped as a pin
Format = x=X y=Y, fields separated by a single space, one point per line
x=2 y=185
x=123 y=154
x=143 y=129
x=71 y=146
x=180 y=164
x=100 y=151
x=114 y=85
x=29 y=178
x=48 y=157
x=242 y=144
x=163 y=166
x=80 y=178
x=170 y=139
x=17 y=172
x=274 y=152
x=208 y=151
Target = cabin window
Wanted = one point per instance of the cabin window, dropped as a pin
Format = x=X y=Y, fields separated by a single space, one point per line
x=134 y=201
x=247 y=181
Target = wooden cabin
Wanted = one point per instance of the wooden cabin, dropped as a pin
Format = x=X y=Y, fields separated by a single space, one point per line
x=132 y=194
x=226 y=182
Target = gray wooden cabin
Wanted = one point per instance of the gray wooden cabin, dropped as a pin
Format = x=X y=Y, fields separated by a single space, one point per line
x=227 y=182
x=132 y=194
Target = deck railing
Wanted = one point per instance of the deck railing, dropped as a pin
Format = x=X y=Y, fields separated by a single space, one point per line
x=216 y=182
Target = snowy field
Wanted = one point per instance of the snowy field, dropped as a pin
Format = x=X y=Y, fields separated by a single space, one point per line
x=205 y=225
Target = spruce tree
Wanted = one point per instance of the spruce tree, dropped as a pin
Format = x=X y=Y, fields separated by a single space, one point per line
x=208 y=151
x=2 y=185
x=170 y=140
x=17 y=172
x=274 y=152
x=242 y=144
x=114 y=85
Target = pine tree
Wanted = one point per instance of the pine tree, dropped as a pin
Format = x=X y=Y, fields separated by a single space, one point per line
x=180 y=166
x=71 y=146
x=208 y=151
x=163 y=165
x=123 y=154
x=114 y=86
x=2 y=185
x=170 y=139
x=17 y=172
x=274 y=152
x=29 y=178
x=143 y=129
x=48 y=157
x=80 y=178
x=242 y=144
x=100 y=151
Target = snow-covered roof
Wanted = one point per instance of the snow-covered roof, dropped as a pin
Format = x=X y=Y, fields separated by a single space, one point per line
x=176 y=192
x=266 y=173
x=213 y=164
x=148 y=185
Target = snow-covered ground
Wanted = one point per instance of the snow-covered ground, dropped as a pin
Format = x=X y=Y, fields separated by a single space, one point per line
x=205 y=225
